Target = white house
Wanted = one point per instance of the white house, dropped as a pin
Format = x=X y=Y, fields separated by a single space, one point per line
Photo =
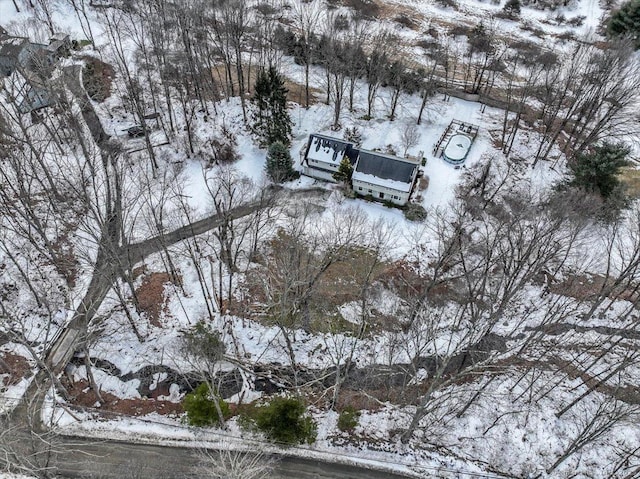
x=384 y=177
x=27 y=69
x=324 y=155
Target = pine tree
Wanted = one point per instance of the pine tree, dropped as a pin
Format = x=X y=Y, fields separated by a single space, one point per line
x=344 y=173
x=598 y=171
x=279 y=163
x=626 y=21
x=271 y=120
x=353 y=135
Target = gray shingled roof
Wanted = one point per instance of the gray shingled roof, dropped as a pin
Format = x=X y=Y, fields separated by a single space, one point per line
x=11 y=47
x=385 y=166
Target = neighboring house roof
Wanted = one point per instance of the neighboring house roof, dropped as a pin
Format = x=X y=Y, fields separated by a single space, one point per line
x=330 y=150
x=38 y=64
x=34 y=99
x=385 y=170
x=31 y=66
x=10 y=47
x=58 y=42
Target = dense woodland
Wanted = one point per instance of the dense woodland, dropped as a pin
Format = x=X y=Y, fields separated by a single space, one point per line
x=515 y=310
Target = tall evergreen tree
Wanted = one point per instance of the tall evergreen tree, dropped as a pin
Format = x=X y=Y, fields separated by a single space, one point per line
x=344 y=173
x=279 y=164
x=271 y=120
x=626 y=22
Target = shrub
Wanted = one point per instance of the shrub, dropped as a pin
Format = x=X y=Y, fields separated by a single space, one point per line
x=406 y=21
x=348 y=419
x=353 y=135
x=224 y=150
x=341 y=23
x=448 y=3
x=200 y=406
x=284 y=420
x=415 y=212
x=204 y=342
x=577 y=21
x=390 y=150
x=362 y=9
x=512 y=8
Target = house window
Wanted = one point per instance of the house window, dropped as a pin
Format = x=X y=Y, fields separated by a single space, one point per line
x=369 y=191
x=381 y=195
x=359 y=188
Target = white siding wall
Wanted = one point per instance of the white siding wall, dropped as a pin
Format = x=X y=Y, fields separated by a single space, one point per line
x=320 y=174
x=397 y=197
x=323 y=165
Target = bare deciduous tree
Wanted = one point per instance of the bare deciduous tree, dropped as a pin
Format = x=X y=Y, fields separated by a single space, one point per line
x=226 y=463
x=410 y=137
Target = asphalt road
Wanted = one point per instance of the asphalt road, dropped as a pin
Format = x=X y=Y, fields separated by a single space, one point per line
x=85 y=458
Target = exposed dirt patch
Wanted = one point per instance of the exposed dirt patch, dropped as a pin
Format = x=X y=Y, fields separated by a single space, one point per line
x=138 y=271
x=295 y=90
x=151 y=296
x=13 y=368
x=402 y=279
x=85 y=397
x=586 y=287
x=358 y=400
x=97 y=77
x=402 y=15
x=318 y=289
x=296 y=93
x=630 y=177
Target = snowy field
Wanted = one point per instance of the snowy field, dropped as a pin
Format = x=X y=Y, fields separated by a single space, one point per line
x=506 y=430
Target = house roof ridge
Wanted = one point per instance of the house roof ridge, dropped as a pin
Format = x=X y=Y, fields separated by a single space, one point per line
x=387 y=155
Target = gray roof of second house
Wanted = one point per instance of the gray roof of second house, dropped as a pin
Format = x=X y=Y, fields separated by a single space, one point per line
x=12 y=46
x=385 y=166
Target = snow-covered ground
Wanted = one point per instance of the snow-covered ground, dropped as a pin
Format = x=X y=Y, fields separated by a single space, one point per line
x=498 y=431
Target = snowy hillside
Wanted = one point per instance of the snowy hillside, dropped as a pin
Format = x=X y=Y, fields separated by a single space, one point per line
x=487 y=328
